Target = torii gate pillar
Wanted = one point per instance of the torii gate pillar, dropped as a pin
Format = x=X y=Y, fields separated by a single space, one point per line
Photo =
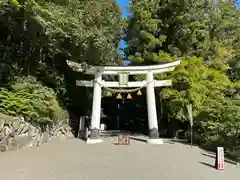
x=96 y=109
x=152 y=113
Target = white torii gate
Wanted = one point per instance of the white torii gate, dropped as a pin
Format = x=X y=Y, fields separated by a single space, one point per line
x=150 y=83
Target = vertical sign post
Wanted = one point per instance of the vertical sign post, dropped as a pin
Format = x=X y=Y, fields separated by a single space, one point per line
x=189 y=109
x=219 y=161
x=123 y=78
x=82 y=124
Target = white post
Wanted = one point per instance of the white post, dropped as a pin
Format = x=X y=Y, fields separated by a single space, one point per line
x=152 y=113
x=96 y=110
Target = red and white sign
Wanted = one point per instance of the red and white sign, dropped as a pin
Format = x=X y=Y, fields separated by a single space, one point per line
x=124 y=140
x=220 y=158
x=127 y=140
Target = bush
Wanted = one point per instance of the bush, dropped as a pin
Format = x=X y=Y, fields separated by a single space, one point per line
x=234 y=154
x=29 y=98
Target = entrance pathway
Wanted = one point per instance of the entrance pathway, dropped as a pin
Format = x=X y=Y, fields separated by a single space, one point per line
x=73 y=160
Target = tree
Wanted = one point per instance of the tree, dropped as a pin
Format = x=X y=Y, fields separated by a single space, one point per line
x=206 y=36
x=37 y=37
x=73 y=27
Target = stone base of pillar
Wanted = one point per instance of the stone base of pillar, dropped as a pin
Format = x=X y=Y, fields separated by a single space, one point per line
x=94 y=141
x=153 y=133
x=155 y=141
x=95 y=134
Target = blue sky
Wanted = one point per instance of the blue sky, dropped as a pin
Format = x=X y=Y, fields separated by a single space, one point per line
x=124 y=4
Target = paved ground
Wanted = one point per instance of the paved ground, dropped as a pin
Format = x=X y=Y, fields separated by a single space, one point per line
x=73 y=160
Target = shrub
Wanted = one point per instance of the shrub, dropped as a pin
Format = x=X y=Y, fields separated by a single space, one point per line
x=29 y=98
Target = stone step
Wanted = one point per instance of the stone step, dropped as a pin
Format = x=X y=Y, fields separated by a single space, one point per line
x=112 y=133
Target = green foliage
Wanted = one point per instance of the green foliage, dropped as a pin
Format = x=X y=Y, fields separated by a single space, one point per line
x=184 y=28
x=195 y=83
x=206 y=36
x=29 y=98
x=37 y=37
x=87 y=31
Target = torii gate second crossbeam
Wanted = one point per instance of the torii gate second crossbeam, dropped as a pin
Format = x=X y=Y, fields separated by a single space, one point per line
x=150 y=83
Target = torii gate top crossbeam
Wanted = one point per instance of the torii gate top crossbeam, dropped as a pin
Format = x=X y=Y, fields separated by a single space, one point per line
x=131 y=70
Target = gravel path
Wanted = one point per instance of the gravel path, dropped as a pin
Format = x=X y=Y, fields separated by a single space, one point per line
x=73 y=160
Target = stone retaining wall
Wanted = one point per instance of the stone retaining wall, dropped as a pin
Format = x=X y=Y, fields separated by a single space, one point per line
x=16 y=133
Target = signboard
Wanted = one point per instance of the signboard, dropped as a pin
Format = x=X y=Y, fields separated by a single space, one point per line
x=123 y=79
x=189 y=109
x=123 y=140
x=82 y=124
x=103 y=127
x=219 y=161
x=82 y=121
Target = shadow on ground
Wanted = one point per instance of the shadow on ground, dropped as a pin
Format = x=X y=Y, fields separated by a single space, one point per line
x=139 y=139
x=207 y=164
x=212 y=155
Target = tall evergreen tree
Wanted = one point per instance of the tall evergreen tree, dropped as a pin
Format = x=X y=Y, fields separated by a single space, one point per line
x=205 y=34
